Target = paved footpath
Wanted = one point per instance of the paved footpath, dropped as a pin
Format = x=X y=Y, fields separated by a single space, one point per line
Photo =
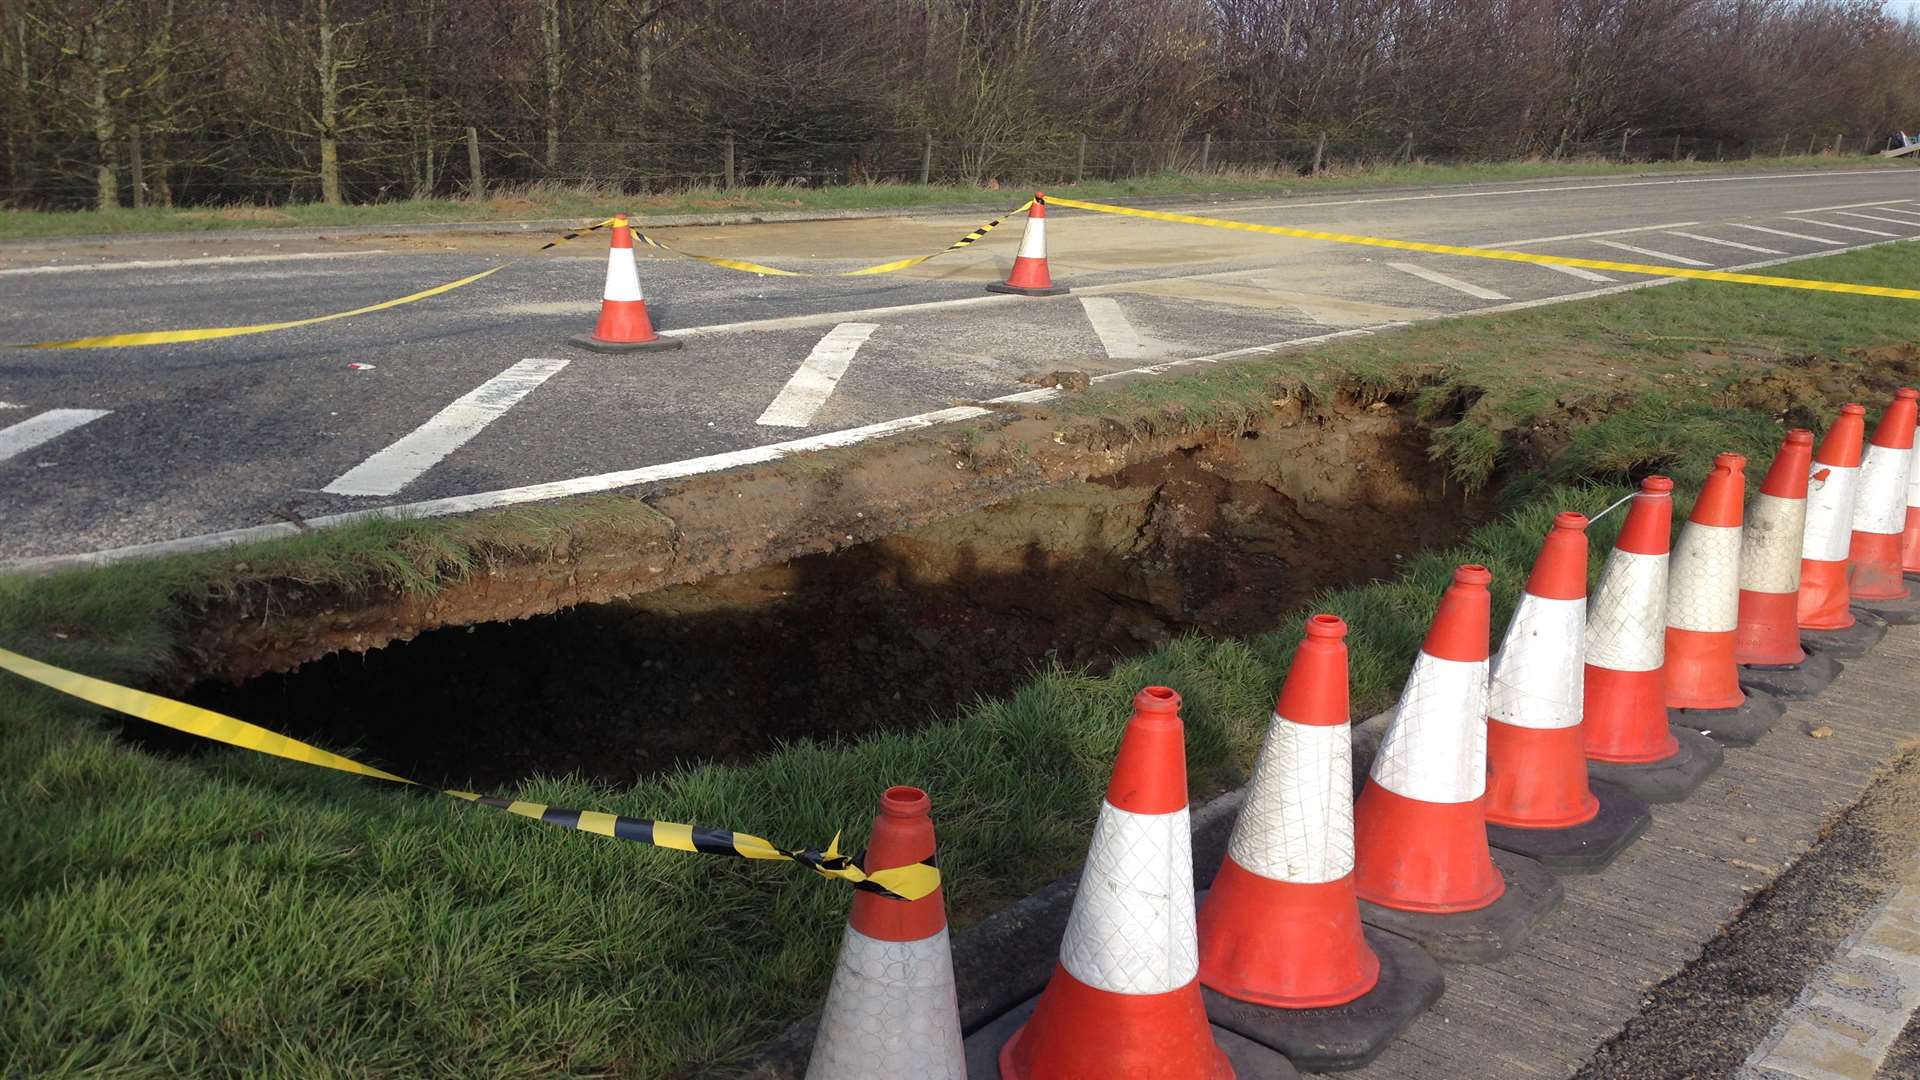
x=1586 y=972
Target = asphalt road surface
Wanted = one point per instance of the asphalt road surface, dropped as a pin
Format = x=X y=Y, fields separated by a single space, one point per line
x=477 y=391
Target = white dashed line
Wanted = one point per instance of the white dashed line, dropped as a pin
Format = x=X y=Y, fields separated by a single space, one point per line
x=1574 y=271
x=1844 y=206
x=169 y=264
x=1652 y=254
x=1843 y=228
x=1117 y=335
x=1448 y=281
x=1725 y=243
x=1877 y=217
x=421 y=449
x=1789 y=235
x=49 y=425
x=819 y=373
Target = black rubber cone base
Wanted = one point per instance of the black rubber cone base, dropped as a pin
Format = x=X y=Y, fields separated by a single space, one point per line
x=1733 y=727
x=1854 y=641
x=1669 y=779
x=1898 y=612
x=1581 y=849
x=1791 y=682
x=1250 y=1060
x=1478 y=937
x=655 y=344
x=1341 y=1036
x=1015 y=290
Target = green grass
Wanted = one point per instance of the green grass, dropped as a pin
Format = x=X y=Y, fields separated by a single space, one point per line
x=223 y=913
x=541 y=200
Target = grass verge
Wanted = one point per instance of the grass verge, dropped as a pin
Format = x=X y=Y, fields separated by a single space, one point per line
x=224 y=913
x=542 y=200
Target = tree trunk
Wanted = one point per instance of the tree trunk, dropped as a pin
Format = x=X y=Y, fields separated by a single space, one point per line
x=329 y=112
x=550 y=37
x=107 y=170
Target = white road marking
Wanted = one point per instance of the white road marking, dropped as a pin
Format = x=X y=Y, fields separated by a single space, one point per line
x=421 y=449
x=169 y=264
x=1877 y=217
x=5 y=405
x=1845 y=1022
x=1652 y=254
x=559 y=489
x=819 y=373
x=1586 y=235
x=1898 y=210
x=1844 y=206
x=1574 y=271
x=1843 y=228
x=1448 y=281
x=1789 y=235
x=1725 y=243
x=1116 y=334
x=51 y=424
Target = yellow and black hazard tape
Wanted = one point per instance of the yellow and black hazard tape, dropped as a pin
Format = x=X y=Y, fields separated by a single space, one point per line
x=910 y=882
x=210 y=333
x=1494 y=253
x=747 y=266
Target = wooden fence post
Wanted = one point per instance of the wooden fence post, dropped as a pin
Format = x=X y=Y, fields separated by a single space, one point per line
x=729 y=161
x=1406 y=152
x=476 y=183
x=1624 y=132
x=1676 y=148
x=1319 y=153
x=1206 y=150
x=1080 y=165
x=926 y=160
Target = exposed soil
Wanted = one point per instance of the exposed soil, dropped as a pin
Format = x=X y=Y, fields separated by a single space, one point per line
x=1222 y=535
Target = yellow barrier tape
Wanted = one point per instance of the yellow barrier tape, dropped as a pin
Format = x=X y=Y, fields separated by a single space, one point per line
x=1495 y=253
x=909 y=882
x=172 y=337
x=746 y=266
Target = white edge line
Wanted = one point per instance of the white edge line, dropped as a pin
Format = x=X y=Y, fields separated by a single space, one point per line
x=758 y=455
x=169 y=264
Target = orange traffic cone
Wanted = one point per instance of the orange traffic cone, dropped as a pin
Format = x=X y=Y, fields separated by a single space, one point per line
x=1629 y=741
x=1124 y=1000
x=1910 y=539
x=1029 y=276
x=623 y=325
x=1830 y=498
x=1539 y=803
x=1283 y=957
x=892 y=1010
x=1769 y=631
x=1767 y=643
x=1703 y=615
x=1879 y=508
x=1420 y=826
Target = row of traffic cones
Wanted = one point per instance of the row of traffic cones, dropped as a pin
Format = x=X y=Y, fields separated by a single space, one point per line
x=625 y=326
x=1486 y=754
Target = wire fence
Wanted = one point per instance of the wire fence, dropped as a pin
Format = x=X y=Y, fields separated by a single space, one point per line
x=65 y=171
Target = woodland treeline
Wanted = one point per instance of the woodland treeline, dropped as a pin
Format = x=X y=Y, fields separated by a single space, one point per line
x=106 y=102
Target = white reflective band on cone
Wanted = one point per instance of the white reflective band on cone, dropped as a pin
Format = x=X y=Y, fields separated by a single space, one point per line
x=1297 y=822
x=892 y=1011
x=1539 y=674
x=1436 y=745
x=1033 y=242
x=1131 y=930
x=1627 y=621
x=623 y=280
x=1913 y=473
x=1770 y=544
x=1829 y=513
x=1881 y=504
x=1703 y=585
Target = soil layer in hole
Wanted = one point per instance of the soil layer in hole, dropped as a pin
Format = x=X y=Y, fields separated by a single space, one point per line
x=1221 y=538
